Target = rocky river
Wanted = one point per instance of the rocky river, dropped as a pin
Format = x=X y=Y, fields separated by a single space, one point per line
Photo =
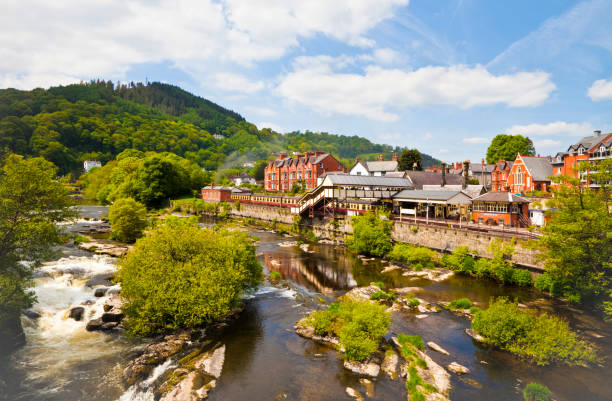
x=264 y=359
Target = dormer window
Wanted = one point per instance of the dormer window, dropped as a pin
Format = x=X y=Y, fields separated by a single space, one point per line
x=581 y=150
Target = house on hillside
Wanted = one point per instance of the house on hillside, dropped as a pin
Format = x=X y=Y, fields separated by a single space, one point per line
x=89 y=164
x=281 y=174
x=530 y=173
x=243 y=178
x=376 y=168
x=499 y=176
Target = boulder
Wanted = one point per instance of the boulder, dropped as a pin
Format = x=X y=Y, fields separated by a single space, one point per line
x=94 y=324
x=112 y=316
x=100 y=279
x=457 y=368
x=303 y=329
x=29 y=313
x=437 y=348
x=100 y=292
x=354 y=393
x=211 y=363
x=475 y=336
x=361 y=293
x=367 y=368
x=112 y=309
x=389 y=365
x=109 y=326
x=153 y=355
x=76 y=313
x=369 y=386
x=390 y=268
x=186 y=389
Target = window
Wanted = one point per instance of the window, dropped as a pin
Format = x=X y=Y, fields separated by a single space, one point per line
x=359 y=173
x=581 y=150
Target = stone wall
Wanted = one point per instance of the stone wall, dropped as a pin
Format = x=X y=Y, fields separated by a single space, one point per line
x=439 y=238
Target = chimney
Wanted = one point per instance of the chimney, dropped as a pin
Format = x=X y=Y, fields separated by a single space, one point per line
x=282 y=155
x=414 y=166
x=394 y=158
x=212 y=185
x=380 y=158
x=597 y=132
x=466 y=168
x=356 y=159
x=443 y=181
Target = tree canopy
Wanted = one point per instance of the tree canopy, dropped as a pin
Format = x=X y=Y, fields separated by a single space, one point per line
x=408 y=158
x=507 y=147
x=128 y=219
x=180 y=276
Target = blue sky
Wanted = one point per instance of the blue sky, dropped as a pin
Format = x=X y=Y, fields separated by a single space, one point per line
x=444 y=76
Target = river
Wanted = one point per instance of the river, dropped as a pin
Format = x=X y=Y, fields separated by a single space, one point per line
x=265 y=359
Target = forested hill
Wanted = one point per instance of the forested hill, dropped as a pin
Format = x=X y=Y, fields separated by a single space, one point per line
x=98 y=120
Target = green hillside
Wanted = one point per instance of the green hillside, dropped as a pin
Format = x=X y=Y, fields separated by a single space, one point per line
x=98 y=120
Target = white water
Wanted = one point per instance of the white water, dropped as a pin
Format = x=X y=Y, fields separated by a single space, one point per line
x=142 y=391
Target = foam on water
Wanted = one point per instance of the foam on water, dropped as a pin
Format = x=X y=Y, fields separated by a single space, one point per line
x=143 y=391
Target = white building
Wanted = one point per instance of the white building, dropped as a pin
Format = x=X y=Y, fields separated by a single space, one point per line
x=242 y=179
x=89 y=164
x=376 y=168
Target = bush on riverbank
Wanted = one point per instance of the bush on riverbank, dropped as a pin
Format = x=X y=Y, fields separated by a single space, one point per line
x=181 y=276
x=359 y=326
x=411 y=254
x=543 y=339
x=128 y=219
x=371 y=235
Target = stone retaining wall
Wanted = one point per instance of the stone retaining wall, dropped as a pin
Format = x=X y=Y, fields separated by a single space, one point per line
x=267 y=213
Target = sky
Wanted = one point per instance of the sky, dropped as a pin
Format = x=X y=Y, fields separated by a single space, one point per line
x=443 y=76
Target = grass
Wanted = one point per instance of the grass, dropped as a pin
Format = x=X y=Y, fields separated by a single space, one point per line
x=79 y=239
x=536 y=392
x=462 y=303
x=383 y=296
x=413 y=303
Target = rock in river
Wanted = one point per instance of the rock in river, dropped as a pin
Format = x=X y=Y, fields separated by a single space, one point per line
x=100 y=279
x=76 y=313
x=457 y=368
x=437 y=348
x=368 y=368
x=354 y=393
x=100 y=292
x=94 y=324
x=112 y=309
x=211 y=363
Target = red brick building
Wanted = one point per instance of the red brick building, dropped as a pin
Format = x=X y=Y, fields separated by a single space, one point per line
x=282 y=173
x=499 y=176
x=530 y=173
x=501 y=208
x=214 y=193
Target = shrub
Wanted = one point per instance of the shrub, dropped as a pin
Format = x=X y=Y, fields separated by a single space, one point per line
x=358 y=325
x=383 y=296
x=413 y=340
x=521 y=277
x=182 y=276
x=460 y=260
x=274 y=275
x=536 y=392
x=79 y=239
x=543 y=339
x=411 y=254
x=371 y=235
x=462 y=303
x=413 y=303
x=128 y=218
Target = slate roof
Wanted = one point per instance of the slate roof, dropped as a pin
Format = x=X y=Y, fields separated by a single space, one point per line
x=471 y=190
x=368 y=181
x=587 y=142
x=478 y=168
x=428 y=195
x=295 y=160
x=397 y=174
x=390 y=165
x=420 y=178
x=540 y=168
x=500 y=197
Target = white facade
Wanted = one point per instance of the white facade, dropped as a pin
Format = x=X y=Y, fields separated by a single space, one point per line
x=89 y=164
x=537 y=217
x=359 y=169
x=238 y=181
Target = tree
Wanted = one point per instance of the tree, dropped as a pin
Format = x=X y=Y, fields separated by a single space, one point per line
x=577 y=243
x=181 y=276
x=371 y=235
x=128 y=219
x=507 y=147
x=408 y=158
x=259 y=170
x=32 y=201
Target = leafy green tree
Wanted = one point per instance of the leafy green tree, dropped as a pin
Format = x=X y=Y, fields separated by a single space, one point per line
x=128 y=219
x=258 y=171
x=507 y=147
x=371 y=235
x=408 y=158
x=32 y=201
x=577 y=243
x=182 y=276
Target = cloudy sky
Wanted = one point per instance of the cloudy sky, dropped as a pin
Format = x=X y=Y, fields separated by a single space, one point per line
x=444 y=76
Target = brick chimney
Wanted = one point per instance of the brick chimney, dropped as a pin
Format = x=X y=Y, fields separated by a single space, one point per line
x=282 y=156
x=597 y=132
x=443 y=180
x=356 y=159
x=380 y=158
x=466 y=168
x=394 y=158
x=414 y=166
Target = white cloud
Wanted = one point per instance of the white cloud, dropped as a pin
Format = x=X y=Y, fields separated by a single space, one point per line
x=475 y=139
x=601 y=90
x=546 y=143
x=428 y=136
x=557 y=128
x=44 y=43
x=236 y=83
x=373 y=93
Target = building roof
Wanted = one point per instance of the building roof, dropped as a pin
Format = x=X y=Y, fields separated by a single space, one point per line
x=588 y=142
x=420 y=178
x=367 y=181
x=471 y=190
x=500 y=197
x=397 y=174
x=478 y=168
x=540 y=168
x=311 y=159
x=446 y=196
x=503 y=163
x=373 y=166
x=218 y=188
x=242 y=175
